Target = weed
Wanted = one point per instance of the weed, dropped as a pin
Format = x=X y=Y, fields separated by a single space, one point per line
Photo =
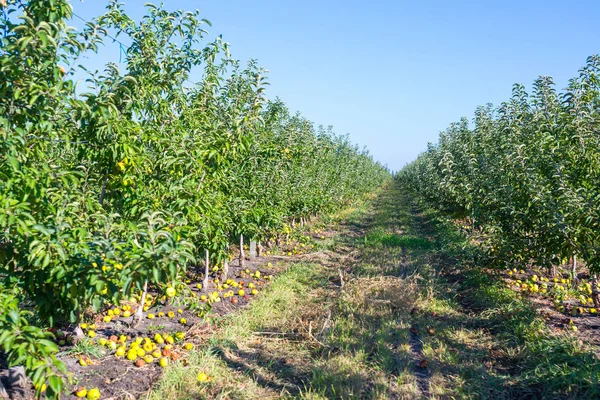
x=86 y=347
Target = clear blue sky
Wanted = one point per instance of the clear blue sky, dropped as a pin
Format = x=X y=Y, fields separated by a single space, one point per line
x=393 y=74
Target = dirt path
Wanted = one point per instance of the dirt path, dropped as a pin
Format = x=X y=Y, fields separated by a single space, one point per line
x=332 y=326
x=389 y=308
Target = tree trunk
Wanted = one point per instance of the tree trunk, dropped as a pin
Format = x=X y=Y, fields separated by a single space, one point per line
x=206 y=266
x=16 y=380
x=103 y=192
x=77 y=331
x=139 y=314
x=252 y=249
x=3 y=392
x=574 y=270
x=242 y=263
x=259 y=249
x=595 y=292
x=225 y=269
x=226 y=265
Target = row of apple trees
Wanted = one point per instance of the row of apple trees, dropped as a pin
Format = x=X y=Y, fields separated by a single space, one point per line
x=526 y=173
x=124 y=183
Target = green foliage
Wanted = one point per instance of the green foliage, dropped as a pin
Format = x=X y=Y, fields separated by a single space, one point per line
x=131 y=180
x=525 y=174
x=28 y=345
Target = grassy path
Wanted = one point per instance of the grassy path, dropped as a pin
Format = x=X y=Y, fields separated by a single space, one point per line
x=385 y=313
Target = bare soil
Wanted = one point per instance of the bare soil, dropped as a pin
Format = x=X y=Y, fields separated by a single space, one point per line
x=119 y=378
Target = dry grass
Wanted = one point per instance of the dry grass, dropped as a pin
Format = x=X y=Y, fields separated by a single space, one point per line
x=382 y=293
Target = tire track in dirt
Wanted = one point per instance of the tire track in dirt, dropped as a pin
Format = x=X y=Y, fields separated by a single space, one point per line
x=420 y=370
x=392 y=222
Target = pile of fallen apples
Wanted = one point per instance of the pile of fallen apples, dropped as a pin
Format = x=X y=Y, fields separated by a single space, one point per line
x=161 y=348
